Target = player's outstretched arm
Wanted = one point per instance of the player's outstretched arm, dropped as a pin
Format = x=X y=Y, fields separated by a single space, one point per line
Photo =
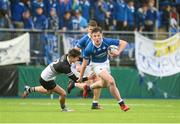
x=122 y=46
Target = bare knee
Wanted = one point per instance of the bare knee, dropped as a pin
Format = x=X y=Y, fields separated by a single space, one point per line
x=111 y=83
x=63 y=94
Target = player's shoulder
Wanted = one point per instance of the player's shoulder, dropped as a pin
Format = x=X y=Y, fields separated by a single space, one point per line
x=89 y=46
x=85 y=37
x=108 y=39
x=83 y=41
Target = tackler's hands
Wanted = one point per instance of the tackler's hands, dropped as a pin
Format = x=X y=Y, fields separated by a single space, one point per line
x=79 y=80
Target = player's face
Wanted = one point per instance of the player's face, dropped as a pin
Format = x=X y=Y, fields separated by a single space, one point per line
x=96 y=37
x=74 y=59
x=90 y=28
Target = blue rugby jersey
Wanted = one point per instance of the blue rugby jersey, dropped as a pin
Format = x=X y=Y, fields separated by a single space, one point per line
x=83 y=42
x=99 y=54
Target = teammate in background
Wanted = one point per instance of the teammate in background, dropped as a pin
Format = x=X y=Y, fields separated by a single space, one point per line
x=48 y=75
x=81 y=45
x=97 y=52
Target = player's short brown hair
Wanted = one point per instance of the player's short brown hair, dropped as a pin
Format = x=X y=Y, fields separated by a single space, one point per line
x=92 y=23
x=74 y=53
x=97 y=29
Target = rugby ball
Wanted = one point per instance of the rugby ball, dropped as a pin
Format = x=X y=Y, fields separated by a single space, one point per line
x=112 y=48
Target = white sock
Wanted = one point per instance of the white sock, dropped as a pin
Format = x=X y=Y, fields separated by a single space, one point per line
x=120 y=100
x=90 y=87
x=95 y=101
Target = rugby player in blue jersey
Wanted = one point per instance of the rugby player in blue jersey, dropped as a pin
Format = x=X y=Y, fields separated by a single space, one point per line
x=97 y=52
x=81 y=45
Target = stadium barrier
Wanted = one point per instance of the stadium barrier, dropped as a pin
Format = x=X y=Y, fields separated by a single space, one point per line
x=128 y=80
x=9 y=81
x=47 y=45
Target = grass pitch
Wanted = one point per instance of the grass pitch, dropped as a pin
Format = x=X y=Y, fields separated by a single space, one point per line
x=47 y=111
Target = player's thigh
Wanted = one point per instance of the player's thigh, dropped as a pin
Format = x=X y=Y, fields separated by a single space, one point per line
x=59 y=90
x=88 y=71
x=106 y=76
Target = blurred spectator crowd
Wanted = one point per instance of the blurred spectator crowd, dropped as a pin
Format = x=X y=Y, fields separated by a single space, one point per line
x=119 y=15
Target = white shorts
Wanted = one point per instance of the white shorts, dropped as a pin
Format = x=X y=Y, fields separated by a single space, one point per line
x=47 y=74
x=87 y=72
x=99 y=67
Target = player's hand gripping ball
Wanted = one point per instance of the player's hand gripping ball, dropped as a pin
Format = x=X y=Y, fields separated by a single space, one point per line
x=112 y=49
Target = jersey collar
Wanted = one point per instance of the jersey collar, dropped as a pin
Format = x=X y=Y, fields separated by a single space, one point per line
x=96 y=45
x=68 y=60
x=88 y=35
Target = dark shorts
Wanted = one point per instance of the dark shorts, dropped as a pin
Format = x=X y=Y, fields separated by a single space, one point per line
x=49 y=85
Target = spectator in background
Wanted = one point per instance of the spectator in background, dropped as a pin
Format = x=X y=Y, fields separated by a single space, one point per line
x=79 y=22
x=139 y=3
x=76 y=5
x=101 y=12
x=150 y=17
x=92 y=7
x=130 y=16
x=5 y=21
x=63 y=6
x=178 y=6
x=35 y=4
x=141 y=17
x=28 y=21
x=40 y=21
x=53 y=20
x=17 y=10
x=110 y=4
x=51 y=4
x=85 y=6
x=120 y=15
x=174 y=18
x=26 y=3
x=166 y=17
x=67 y=21
x=4 y=7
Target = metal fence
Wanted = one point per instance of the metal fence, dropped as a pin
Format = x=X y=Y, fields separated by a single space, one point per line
x=41 y=40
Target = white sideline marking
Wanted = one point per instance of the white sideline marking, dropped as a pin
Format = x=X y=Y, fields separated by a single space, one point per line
x=88 y=123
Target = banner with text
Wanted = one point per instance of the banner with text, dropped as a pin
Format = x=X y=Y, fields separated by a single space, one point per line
x=158 y=57
x=15 y=51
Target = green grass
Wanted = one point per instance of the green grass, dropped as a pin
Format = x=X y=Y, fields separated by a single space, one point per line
x=47 y=111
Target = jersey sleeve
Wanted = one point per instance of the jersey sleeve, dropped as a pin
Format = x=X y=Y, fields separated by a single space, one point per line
x=86 y=54
x=69 y=73
x=111 y=41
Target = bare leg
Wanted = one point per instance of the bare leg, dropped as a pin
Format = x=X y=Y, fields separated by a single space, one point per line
x=112 y=86
x=41 y=89
x=59 y=90
x=80 y=85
